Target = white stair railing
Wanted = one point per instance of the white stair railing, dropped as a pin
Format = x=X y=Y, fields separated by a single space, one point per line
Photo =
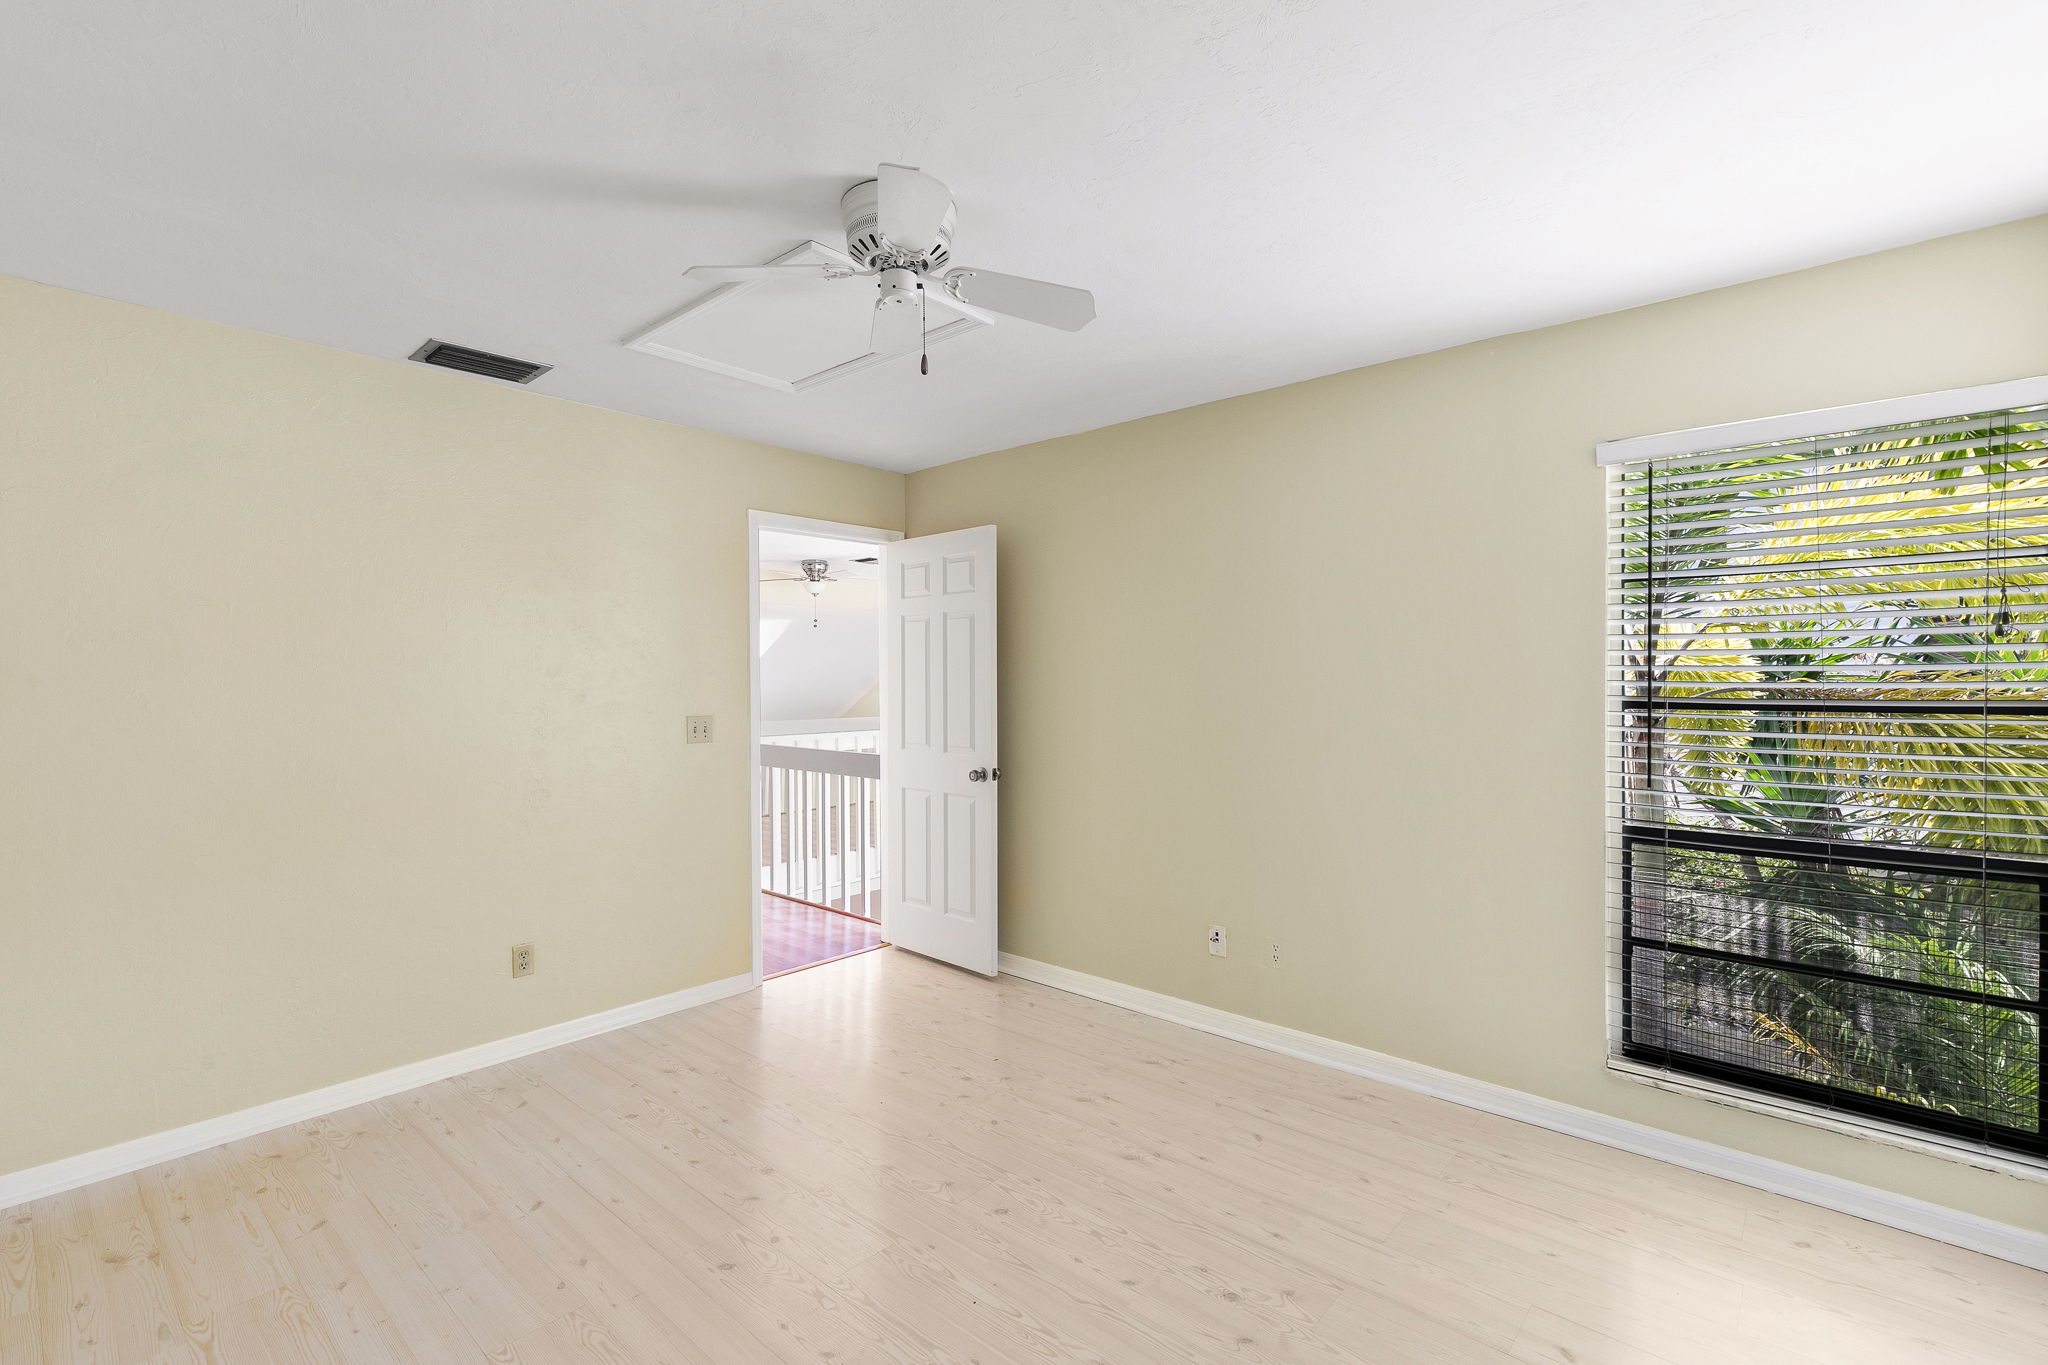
x=819 y=825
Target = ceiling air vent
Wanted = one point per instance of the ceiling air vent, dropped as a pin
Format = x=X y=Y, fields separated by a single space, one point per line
x=452 y=357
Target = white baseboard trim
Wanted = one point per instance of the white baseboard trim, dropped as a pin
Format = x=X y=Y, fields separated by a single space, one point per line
x=72 y=1171
x=1830 y=1192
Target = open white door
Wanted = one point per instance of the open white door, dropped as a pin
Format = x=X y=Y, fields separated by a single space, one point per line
x=939 y=772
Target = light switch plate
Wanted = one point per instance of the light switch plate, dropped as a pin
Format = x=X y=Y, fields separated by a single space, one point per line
x=699 y=729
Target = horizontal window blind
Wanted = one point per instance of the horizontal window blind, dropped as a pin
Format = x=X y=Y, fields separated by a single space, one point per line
x=1828 y=663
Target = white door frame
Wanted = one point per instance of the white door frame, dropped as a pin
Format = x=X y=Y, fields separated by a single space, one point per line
x=758 y=522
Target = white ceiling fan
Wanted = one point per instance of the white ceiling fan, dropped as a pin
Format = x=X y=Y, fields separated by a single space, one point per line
x=814 y=574
x=899 y=232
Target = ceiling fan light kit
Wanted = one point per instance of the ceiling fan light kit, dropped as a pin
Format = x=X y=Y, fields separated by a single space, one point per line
x=899 y=234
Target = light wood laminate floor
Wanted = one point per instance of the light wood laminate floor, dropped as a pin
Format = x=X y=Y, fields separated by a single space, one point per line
x=885 y=1160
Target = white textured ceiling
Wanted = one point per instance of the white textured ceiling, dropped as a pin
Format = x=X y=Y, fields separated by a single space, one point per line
x=1257 y=192
x=784 y=550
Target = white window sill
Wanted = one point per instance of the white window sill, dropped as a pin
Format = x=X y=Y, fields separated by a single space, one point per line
x=1868 y=1129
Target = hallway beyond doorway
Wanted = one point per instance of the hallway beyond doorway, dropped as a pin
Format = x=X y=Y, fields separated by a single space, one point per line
x=795 y=935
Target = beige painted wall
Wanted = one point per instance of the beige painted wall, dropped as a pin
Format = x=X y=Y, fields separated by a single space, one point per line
x=326 y=680
x=1323 y=664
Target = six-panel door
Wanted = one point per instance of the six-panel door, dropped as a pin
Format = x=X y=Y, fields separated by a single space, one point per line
x=939 y=769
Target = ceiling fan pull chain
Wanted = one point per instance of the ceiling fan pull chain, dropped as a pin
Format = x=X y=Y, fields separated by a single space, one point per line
x=924 y=352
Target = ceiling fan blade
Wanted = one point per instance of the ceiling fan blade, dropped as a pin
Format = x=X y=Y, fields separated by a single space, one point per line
x=946 y=298
x=748 y=274
x=1054 y=305
x=910 y=207
x=898 y=327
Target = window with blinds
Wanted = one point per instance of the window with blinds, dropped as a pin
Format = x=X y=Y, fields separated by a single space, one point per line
x=1829 y=767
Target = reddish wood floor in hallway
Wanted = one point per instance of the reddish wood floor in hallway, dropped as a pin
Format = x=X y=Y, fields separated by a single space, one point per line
x=796 y=935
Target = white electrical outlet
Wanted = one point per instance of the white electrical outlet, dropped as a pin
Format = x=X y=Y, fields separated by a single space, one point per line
x=699 y=730
x=1273 y=952
x=1219 y=941
x=522 y=959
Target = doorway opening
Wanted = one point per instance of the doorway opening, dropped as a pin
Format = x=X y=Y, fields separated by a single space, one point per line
x=817 y=719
